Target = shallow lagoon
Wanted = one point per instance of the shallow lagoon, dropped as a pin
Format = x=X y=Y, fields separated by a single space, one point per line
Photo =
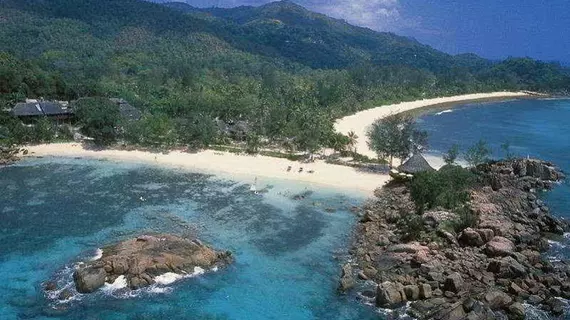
x=55 y=212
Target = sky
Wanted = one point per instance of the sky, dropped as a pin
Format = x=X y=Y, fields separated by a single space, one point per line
x=493 y=29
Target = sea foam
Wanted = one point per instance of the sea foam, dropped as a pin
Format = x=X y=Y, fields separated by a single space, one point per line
x=98 y=255
x=119 y=283
x=171 y=277
x=444 y=111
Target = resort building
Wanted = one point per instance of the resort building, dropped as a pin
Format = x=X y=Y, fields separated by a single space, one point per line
x=31 y=110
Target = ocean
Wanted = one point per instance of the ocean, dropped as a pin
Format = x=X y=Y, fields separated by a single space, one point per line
x=57 y=212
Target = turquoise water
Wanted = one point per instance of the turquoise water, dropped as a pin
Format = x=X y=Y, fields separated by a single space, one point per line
x=56 y=212
x=535 y=128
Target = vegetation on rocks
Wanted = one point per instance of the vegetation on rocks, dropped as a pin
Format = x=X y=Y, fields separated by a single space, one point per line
x=447 y=188
x=480 y=259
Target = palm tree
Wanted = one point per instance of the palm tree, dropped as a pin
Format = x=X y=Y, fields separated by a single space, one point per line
x=353 y=138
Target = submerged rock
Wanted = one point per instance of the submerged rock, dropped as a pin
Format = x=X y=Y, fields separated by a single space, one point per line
x=142 y=259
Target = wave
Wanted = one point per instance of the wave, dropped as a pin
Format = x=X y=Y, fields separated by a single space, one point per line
x=399 y=313
x=444 y=111
x=171 y=277
x=65 y=292
x=119 y=283
x=535 y=313
x=118 y=289
x=98 y=255
x=557 y=244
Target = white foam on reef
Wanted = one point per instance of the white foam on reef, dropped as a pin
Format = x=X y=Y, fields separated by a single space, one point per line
x=98 y=255
x=401 y=312
x=171 y=277
x=444 y=111
x=159 y=290
x=119 y=283
x=556 y=244
x=532 y=312
x=64 y=281
x=168 y=278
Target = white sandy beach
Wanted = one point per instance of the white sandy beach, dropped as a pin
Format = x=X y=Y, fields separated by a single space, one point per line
x=359 y=122
x=243 y=167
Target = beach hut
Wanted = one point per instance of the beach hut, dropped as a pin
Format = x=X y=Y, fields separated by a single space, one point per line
x=416 y=163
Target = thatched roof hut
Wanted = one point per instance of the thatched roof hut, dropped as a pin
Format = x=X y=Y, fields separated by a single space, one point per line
x=417 y=163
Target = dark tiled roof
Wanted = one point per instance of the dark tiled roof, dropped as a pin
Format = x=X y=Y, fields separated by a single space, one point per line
x=129 y=112
x=27 y=109
x=417 y=163
x=43 y=108
x=53 y=108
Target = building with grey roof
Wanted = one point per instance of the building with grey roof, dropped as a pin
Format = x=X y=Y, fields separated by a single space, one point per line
x=32 y=110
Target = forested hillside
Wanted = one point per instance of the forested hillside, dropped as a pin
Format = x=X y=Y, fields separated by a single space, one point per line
x=285 y=70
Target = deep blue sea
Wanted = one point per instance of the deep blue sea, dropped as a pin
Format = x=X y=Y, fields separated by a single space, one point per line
x=532 y=128
x=54 y=213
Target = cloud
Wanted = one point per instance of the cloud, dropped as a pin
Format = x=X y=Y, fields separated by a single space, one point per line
x=381 y=15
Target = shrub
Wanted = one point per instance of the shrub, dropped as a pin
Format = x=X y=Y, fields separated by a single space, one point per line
x=99 y=118
x=477 y=154
x=447 y=188
x=412 y=226
x=465 y=219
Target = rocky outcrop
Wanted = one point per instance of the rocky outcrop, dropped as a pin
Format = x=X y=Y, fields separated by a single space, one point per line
x=89 y=279
x=346 y=278
x=141 y=259
x=485 y=271
x=10 y=154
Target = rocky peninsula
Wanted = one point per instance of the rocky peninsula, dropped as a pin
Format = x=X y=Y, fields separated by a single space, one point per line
x=482 y=262
x=144 y=258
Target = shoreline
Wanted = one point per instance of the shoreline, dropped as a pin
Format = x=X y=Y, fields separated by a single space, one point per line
x=360 y=121
x=242 y=168
x=246 y=168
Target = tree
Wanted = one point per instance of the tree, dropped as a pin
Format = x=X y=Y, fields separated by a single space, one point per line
x=451 y=155
x=506 y=149
x=252 y=143
x=395 y=136
x=477 y=154
x=338 y=142
x=99 y=119
x=155 y=131
x=43 y=131
x=11 y=136
x=196 y=131
x=352 y=140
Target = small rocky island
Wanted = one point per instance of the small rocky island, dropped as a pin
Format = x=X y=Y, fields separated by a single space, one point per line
x=142 y=259
x=481 y=262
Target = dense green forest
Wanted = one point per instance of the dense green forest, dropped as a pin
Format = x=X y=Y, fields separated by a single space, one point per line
x=284 y=70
